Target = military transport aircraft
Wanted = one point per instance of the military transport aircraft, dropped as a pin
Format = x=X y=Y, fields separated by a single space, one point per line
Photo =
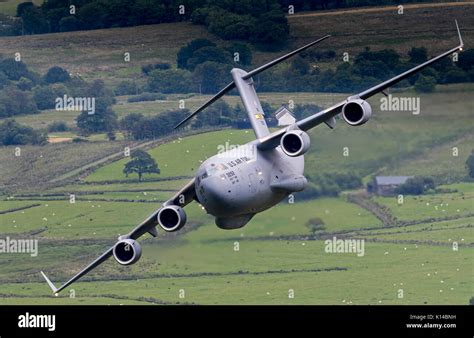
x=235 y=185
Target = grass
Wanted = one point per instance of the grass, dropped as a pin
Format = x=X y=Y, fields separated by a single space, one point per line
x=269 y=269
x=430 y=206
x=195 y=149
x=130 y=185
x=36 y=165
x=99 y=53
x=277 y=251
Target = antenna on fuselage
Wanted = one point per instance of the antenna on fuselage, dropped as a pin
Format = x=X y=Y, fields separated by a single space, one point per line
x=248 y=75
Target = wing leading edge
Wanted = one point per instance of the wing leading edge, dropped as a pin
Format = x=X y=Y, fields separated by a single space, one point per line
x=273 y=139
x=181 y=198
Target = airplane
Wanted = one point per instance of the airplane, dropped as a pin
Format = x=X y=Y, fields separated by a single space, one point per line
x=237 y=184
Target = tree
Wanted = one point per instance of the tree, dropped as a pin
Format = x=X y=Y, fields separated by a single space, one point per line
x=417 y=185
x=22 y=6
x=13 y=133
x=14 y=70
x=58 y=126
x=34 y=20
x=141 y=163
x=425 y=84
x=212 y=76
x=300 y=65
x=103 y=119
x=24 y=84
x=44 y=97
x=208 y=54
x=186 y=52
x=129 y=122
x=470 y=164
x=244 y=53
x=56 y=74
x=466 y=60
x=418 y=55
x=14 y=101
x=69 y=24
x=127 y=87
x=170 y=81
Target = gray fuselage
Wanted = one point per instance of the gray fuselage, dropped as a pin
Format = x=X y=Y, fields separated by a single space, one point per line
x=236 y=184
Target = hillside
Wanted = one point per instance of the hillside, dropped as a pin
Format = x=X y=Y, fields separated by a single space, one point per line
x=99 y=53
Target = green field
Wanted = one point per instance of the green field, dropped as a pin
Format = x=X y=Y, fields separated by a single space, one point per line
x=278 y=253
x=426 y=249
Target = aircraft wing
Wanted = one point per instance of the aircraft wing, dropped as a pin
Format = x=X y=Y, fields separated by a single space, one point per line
x=181 y=198
x=273 y=140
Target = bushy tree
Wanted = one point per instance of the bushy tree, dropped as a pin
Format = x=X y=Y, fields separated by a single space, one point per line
x=466 y=60
x=170 y=81
x=470 y=164
x=425 y=84
x=127 y=87
x=244 y=53
x=208 y=54
x=14 y=101
x=22 y=6
x=58 y=126
x=56 y=74
x=13 y=133
x=44 y=97
x=141 y=128
x=146 y=69
x=141 y=163
x=186 y=52
x=417 y=185
x=418 y=55
x=69 y=24
x=212 y=76
x=34 y=20
x=103 y=119
x=13 y=69
x=24 y=84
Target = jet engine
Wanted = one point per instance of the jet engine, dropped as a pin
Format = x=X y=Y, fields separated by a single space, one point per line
x=127 y=251
x=356 y=112
x=295 y=143
x=171 y=218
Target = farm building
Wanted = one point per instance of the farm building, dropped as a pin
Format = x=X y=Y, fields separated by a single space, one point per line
x=386 y=185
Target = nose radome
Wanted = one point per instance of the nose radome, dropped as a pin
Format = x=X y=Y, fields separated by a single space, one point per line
x=215 y=189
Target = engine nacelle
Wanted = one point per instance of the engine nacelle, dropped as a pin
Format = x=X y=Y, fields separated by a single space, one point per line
x=295 y=143
x=171 y=218
x=127 y=251
x=356 y=112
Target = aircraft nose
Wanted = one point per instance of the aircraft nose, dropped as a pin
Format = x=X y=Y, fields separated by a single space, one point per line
x=214 y=188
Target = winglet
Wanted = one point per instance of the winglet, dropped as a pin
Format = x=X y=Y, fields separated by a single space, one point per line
x=461 y=43
x=51 y=285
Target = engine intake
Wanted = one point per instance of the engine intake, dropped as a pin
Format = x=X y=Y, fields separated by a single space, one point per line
x=171 y=218
x=295 y=143
x=356 y=112
x=127 y=251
